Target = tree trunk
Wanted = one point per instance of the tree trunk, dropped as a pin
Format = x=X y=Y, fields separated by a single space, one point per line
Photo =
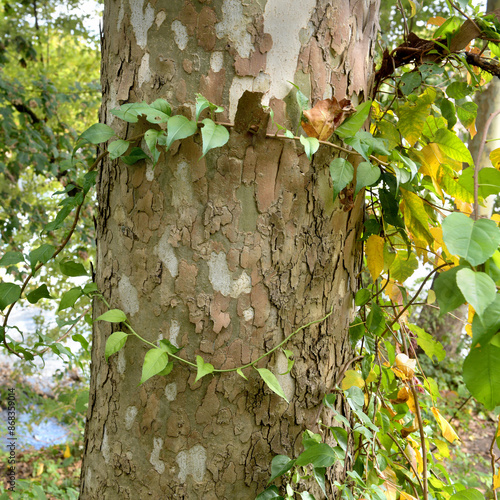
x=226 y=255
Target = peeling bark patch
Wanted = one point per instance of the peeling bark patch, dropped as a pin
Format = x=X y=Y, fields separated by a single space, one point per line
x=206 y=29
x=128 y=296
x=150 y=173
x=238 y=86
x=165 y=251
x=218 y=273
x=216 y=61
x=105 y=446
x=130 y=414
x=121 y=363
x=171 y=391
x=141 y=21
x=242 y=285
x=234 y=26
x=283 y=24
x=160 y=18
x=144 y=73
x=154 y=459
x=180 y=34
x=175 y=328
x=192 y=462
x=248 y=314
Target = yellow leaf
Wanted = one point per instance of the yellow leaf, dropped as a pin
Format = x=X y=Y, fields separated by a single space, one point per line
x=371 y=376
x=413 y=451
x=472 y=129
x=436 y=21
x=416 y=218
x=67 y=452
x=390 y=483
x=431 y=297
x=496 y=218
x=352 y=379
x=448 y=433
x=406 y=496
x=442 y=447
x=39 y=469
x=495 y=158
x=496 y=481
x=465 y=208
x=404 y=367
x=374 y=250
x=405 y=396
x=470 y=317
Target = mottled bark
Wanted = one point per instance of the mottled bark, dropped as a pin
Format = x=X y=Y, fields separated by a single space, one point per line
x=225 y=255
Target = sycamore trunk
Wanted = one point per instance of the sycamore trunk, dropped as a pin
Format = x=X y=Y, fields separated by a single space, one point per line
x=224 y=256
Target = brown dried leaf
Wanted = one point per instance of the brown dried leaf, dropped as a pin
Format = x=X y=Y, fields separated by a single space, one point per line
x=325 y=117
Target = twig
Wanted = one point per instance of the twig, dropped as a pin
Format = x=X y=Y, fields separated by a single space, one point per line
x=407 y=458
x=493 y=460
x=37 y=267
x=69 y=330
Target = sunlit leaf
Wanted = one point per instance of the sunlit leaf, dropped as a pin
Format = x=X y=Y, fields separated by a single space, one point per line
x=272 y=382
x=113 y=316
x=214 y=136
x=202 y=368
x=478 y=289
x=448 y=433
x=374 y=251
x=326 y=115
x=154 y=362
x=114 y=343
x=352 y=378
x=179 y=127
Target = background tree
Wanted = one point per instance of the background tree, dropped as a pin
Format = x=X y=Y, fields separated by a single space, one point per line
x=226 y=255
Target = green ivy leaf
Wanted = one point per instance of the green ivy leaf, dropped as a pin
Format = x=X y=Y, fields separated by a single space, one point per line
x=362 y=297
x=114 y=343
x=11 y=258
x=69 y=268
x=311 y=145
x=164 y=107
x=96 y=134
x=214 y=136
x=269 y=494
x=40 y=293
x=41 y=254
x=351 y=126
x=366 y=175
x=9 y=293
x=319 y=455
x=241 y=374
x=136 y=154
x=482 y=376
x=117 y=148
x=179 y=127
x=478 y=289
x=342 y=173
x=168 y=346
x=272 y=382
x=203 y=103
x=155 y=362
x=202 y=368
x=475 y=241
x=280 y=464
x=113 y=316
x=69 y=298
x=152 y=137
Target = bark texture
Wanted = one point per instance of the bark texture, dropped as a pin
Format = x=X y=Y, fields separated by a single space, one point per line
x=226 y=255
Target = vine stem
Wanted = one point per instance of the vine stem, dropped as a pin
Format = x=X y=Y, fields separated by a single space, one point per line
x=248 y=365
